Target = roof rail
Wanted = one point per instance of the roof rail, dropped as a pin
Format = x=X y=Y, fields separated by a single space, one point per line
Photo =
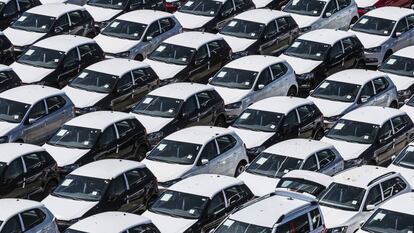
x=380 y=177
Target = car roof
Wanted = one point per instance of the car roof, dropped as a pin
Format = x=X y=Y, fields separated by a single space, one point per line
x=326 y=36
x=64 y=43
x=298 y=147
x=390 y=12
x=144 y=16
x=406 y=52
x=373 y=114
x=263 y=16
x=104 y=222
x=192 y=39
x=11 y=151
x=361 y=176
x=254 y=62
x=107 y=168
x=279 y=104
x=206 y=185
x=55 y=9
x=316 y=177
x=30 y=94
x=198 y=134
x=4 y=68
x=180 y=90
x=355 y=76
x=12 y=206
x=117 y=66
x=403 y=203
x=99 y=119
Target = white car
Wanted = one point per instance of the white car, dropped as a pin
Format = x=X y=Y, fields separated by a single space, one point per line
x=303 y=181
x=265 y=171
x=249 y=79
x=383 y=31
x=404 y=163
x=316 y=14
x=355 y=193
x=137 y=33
x=394 y=216
x=196 y=150
x=113 y=222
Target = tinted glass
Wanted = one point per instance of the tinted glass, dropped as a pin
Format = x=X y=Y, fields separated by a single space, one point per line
x=234 y=78
x=258 y=120
x=308 y=50
x=243 y=29
x=125 y=29
x=374 y=25
x=175 y=152
x=273 y=166
x=34 y=22
x=337 y=91
x=158 y=106
x=75 y=137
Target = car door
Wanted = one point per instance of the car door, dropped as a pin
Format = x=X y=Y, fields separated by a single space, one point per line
x=189 y=113
x=367 y=95
x=298 y=224
x=71 y=66
x=270 y=39
x=89 y=54
x=307 y=122
x=382 y=96
x=311 y=164
x=350 y=53
x=402 y=132
x=35 y=166
x=228 y=156
x=326 y=160
x=402 y=35
x=207 y=107
x=107 y=144
x=13 y=225
x=199 y=68
x=262 y=89
x=35 y=124
x=280 y=82
x=344 y=14
x=410 y=22
x=216 y=212
x=136 y=191
x=76 y=23
x=392 y=187
x=207 y=161
x=56 y=115
x=336 y=58
x=13 y=185
x=143 y=83
x=115 y=198
x=61 y=25
x=123 y=92
x=33 y=221
x=216 y=57
x=225 y=13
x=290 y=127
x=9 y=14
x=385 y=143
x=151 y=38
x=284 y=33
x=330 y=16
x=316 y=221
x=236 y=196
x=166 y=25
x=126 y=138
x=374 y=197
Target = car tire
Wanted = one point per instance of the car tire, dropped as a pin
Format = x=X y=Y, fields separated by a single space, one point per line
x=240 y=168
x=139 y=57
x=319 y=133
x=292 y=91
x=393 y=104
x=140 y=152
x=220 y=121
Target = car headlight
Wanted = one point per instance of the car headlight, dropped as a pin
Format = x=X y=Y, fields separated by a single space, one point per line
x=233 y=105
x=80 y=111
x=154 y=138
x=306 y=76
x=69 y=168
x=4 y=139
x=169 y=183
x=337 y=230
x=405 y=93
x=240 y=54
x=123 y=54
x=354 y=162
x=333 y=118
x=256 y=150
x=200 y=29
x=305 y=29
x=373 y=50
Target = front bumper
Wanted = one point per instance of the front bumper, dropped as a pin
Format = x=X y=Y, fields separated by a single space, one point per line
x=232 y=114
x=373 y=59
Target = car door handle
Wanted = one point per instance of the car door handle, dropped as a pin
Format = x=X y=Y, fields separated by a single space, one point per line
x=223 y=162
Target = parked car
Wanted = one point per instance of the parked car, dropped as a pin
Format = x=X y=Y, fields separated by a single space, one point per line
x=32 y=113
x=10 y=10
x=210 y=15
x=264 y=172
x=55 y=60
x=370 y=135
x=275 y=119
x=196 y=150
x=320 y=53
x=177 y=106
x=104 y=222
x=295 y=213
x=19 y=215
x=249 y=79
x=6 y=50
x=383 y=31
x=317 y=14
x=189 y=56
x=355 y=193
x=307 y=182
x=341 y=93
x=8 y=78
x=173 y=5
x=198 y=203
x=403 y=163
x=95 y=136
x=105 y=185
x=365 y=6
x=113 y=84
x=136 y=34
x=48 y=20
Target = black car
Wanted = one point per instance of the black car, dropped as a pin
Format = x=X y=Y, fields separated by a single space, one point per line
x=26 y=171
x=6 y=50
x=98 y=135
x=8 y=78
x=177 y=106
x=105 y=185
x=193 y=14
x=10 y=10
x=272 y=4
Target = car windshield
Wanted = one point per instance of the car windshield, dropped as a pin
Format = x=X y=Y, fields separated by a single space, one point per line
x=95 y=81
x=34 y=23
x=232 y=226
x=301 y=186
x=258 y=120
x=308 y=50
x=337 y=91
x=158 y=106
x=81 y=188
x=125 y=30
x=175 y=54
x=353 y=131
x=2 y=4
x=234 y=78
x=75 y=137
x=305 y=7
x=342 y=197
x=387 y=221
x=374 y=25
x=41 y=57
x=12 y=111
x=273 y=166
x=201 y=7
x=175 y=152
x=181 y=205
x=398 y=65
x=405 y=158
x=243 y=29
x=113 y=4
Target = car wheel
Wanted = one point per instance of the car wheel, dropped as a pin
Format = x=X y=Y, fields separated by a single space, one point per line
x=220 y=122
x=292 y=91
x=393 y=104
x=318 y=134
x=240 y=168
x=140 y=152
x=139 y=57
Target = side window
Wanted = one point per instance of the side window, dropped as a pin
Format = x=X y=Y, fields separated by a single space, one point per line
x=401 y=26
x=374 y=196
x=225 y=143
x=292 y=22
x=166 y=24
x=153 y=31
x=125 y=82
x=204 y=98
x=32 y=218
x=214 y=47
x=410 y=20
x=107 y=137
x=62 y=23
x=392 y=187
x=399 y=123
x=190 y=106
x=325 y=157
x=385 y=131
x=209 y=151
x=38 y=110
x=33 y=162
x=316 y=218
x=70 y=59
x=117 y=187
x=75 y=18
x=55 y=103
x=310 y=164
x=123 y=128
x=217 y=204
x=134 y=177
x=343 y=3
x=367 y=91
x=227 y=8
x=305 y=113
x=141 y=77
x=14 y=170
x=291 y=119
x=264 y=78
x=235 y=194
x=270 y=30
x=10 y=9
x=297 y=225
x=336 y=50
x=202 y=54
x=12 y=225
x=331 y=7
x=348 y=44
x=24 y=4
x=239 y=4
x=278 y=70
x=380 y=84
x=282 y=24
x=88 y=52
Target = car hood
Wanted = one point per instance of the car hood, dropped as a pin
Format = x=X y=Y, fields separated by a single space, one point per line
x=369 y=40
x=67 y=209
x=191 y=21
x=164 y=70
x=304 y=20
x=113 y=44
x=152 y=124
x=83 y=98
x=169 y=224
x=166 y=171
x=65 y=156
x=261 y=3
x=300 y=65
x=330 y=108
x=22 y=37
x=5 y=127
x=365 y=3
x=259 y=185
x=100 y=14
x=348 y=150
x=336 y=217
x=252 y=138
x=401 y=82
x=30 y=74
x=407 y=173
x=231 y=95
x=237 y=44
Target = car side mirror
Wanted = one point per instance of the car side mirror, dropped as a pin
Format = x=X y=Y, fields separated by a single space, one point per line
x=58 y=29
x=398 y=34
x=210 y=79
x=406 y=101
x=370 y=207
x=311 y=92
x=199 y=61
x=283 y=7
x=328 y=14
x=364 y=98
x=32 y=120
x=260 y=86
x=393 y=157
x=204 y=161
x=412 y=6
x=361 y=223
x=148 y=152
x=149 y=38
